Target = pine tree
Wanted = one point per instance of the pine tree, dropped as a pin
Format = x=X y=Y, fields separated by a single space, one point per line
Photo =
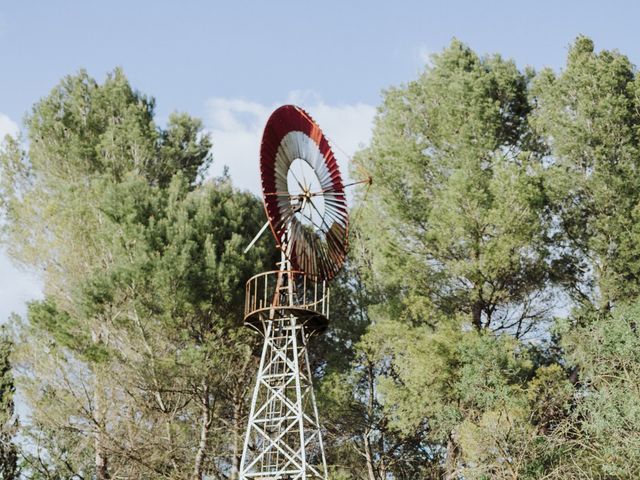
x=589 y=116
x=458 y=230
x=136 y=364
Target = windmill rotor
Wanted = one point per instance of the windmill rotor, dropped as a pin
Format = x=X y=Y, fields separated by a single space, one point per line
x=303 y=192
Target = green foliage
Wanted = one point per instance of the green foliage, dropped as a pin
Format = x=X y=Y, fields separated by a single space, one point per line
x=456 y=217
x=589 y=115
x=448 y=375
x=602 y=436
x=67 y=332
x=8 y=420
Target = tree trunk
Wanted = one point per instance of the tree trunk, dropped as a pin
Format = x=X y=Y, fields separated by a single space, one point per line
x=451 y=460
x=383 y=464
x=369 y=457
x=101 y=459
x=476 y=315
x=367 y=444
x=204 y=434
x=237 y=438
x=102 y=466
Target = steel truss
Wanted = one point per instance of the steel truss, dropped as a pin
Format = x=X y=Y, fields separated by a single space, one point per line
x=283 y=439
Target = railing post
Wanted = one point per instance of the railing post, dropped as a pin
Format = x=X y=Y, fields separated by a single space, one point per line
x=326 y=311
x=255 y=292
x=304 y=289
x=266 y=281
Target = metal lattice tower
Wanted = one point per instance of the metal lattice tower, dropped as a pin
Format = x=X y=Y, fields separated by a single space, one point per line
x=283 y=439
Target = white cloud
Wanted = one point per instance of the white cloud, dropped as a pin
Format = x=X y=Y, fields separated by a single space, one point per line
x=424 y=56
x=236 y=128
x=7 y=127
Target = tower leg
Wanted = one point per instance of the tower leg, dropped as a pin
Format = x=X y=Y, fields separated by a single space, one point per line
x=283 y=439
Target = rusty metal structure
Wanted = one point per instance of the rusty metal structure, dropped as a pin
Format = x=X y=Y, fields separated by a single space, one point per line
x=306 y=208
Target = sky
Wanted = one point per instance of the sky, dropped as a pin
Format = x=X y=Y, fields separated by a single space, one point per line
x=231 y=63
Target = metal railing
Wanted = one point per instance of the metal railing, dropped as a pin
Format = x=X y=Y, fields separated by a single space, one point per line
x=285 y=289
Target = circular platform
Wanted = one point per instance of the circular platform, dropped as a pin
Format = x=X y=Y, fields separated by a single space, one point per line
x=283 y=294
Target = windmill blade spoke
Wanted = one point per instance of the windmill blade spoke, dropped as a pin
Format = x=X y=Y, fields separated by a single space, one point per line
x=296 y=179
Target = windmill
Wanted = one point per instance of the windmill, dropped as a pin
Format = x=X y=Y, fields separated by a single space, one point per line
x=306 y=208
